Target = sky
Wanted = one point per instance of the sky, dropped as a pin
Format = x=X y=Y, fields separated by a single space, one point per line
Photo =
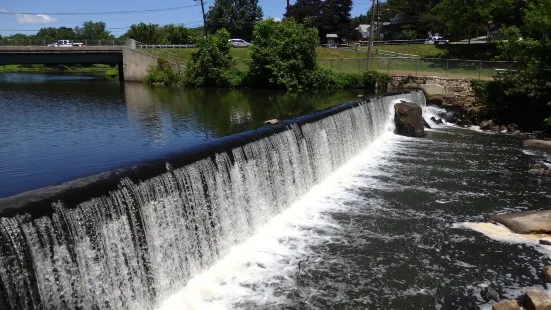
x=28 y=16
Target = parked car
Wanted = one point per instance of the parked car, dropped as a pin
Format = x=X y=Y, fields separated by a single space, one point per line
x=65 y=43
x=436 y=40
x=237 y=43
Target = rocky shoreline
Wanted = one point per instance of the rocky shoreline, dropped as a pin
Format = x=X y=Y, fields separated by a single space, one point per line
x=409 y=121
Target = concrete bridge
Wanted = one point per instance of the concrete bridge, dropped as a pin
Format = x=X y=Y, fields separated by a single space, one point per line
x=134 y=63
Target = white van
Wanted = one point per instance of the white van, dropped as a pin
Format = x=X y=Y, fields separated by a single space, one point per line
x=65 y=43
x=239 y=43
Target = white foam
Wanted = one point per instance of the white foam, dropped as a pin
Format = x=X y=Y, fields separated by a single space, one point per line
x=275 y=251
x=503 y=234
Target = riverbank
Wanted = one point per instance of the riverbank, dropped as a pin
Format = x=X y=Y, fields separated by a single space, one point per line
x=109 y=71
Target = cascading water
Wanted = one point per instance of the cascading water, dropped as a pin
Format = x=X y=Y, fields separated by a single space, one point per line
x=140 y=244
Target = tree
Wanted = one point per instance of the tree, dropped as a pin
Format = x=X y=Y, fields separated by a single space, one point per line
x=283 y=54
x=236 y=16
x=177 y=34
x=147 y=33
x=212 y=64
x=469 y=16
x=525 y=92
x=93 y=31
x=329 y=16
x=52 y=33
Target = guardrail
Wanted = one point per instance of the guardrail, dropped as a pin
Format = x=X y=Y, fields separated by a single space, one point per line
x=43 y=42
x=174 y=46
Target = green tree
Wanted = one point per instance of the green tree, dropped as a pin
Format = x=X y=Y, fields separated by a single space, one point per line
x=212 y=64
x=53 y=33
x=524 y=93
x=469 y=16
x=236 y=16
x=147 y=33
x=329 y=16
x=177 y=34
x=93 y=31
x=283 y=54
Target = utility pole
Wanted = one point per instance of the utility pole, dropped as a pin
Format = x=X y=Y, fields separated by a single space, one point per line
x=370 y=36
x=204 y=18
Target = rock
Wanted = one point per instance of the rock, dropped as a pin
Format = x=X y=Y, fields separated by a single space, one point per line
x=537 y=143
x=464 y=122
x=547 y=273
x=506 y=305
x=450 y=117
x=517 y=133
x=486 y=125
x=513 y=127
x=534 y=171
x=527 y=222
x=489 y=293
x=545 y=242
x=457 y=89
x=536 y=300
x=503 y=129
x=271 y=122
x=426 y=124
x=408 y=119
x=506 y=172
x=537 y=166
x=495 y=128
x=474 y=113
x=545 y=173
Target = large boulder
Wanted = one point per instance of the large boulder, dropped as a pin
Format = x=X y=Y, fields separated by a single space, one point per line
x=547 y=273
x=527 y=222
x=408 y=118
x=536 y=300
x=506 y=305
x=537 y=143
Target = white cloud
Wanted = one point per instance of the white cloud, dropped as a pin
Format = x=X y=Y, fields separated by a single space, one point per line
x=3 y=11
x=34 y=19
x=277 y=19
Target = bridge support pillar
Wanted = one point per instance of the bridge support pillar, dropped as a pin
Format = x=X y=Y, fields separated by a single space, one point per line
x=136 y=65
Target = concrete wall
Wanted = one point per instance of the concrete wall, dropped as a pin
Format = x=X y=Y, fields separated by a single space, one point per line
x=136 y=65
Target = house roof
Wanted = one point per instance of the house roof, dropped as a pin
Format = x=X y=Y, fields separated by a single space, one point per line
x=332 y=35
x=363 y=28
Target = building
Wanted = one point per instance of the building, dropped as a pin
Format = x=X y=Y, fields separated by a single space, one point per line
x=332 y=39
x=364 y=30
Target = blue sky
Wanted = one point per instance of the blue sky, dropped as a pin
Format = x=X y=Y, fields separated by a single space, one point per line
x=10 y=22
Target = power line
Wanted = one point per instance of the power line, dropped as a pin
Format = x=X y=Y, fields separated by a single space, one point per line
x=103 y=13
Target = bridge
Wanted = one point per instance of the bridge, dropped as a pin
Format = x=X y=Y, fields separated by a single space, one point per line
x=134 y=63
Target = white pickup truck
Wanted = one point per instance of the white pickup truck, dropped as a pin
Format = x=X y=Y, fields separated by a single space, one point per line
x=65 y=43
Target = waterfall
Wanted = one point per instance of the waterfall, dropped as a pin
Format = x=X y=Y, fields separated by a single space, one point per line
x=141 y=243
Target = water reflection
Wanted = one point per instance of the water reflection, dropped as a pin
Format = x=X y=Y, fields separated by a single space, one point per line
x=58 y=127
x=220 y=112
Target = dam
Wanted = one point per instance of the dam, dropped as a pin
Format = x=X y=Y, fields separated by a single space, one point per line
x=327 y=209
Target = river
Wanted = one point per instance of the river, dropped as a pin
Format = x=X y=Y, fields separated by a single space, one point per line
x=58 y=127
x=336 y=213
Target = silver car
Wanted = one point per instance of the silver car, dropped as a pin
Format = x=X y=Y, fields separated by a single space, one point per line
x=237 y=43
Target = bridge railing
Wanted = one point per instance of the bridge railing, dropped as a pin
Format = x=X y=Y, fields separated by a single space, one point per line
x=44 y=42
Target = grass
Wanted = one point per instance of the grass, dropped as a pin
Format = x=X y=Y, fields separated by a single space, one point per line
x=44 y=68
x=441 y=68
x=349 y=61
x=423 y=50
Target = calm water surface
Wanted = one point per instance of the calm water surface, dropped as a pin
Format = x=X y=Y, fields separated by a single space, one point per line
x=55 y=128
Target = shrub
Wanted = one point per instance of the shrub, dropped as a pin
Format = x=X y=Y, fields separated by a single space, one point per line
x=283 y=54
x=322 y=78
x=212 y=64
x=162 y=74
